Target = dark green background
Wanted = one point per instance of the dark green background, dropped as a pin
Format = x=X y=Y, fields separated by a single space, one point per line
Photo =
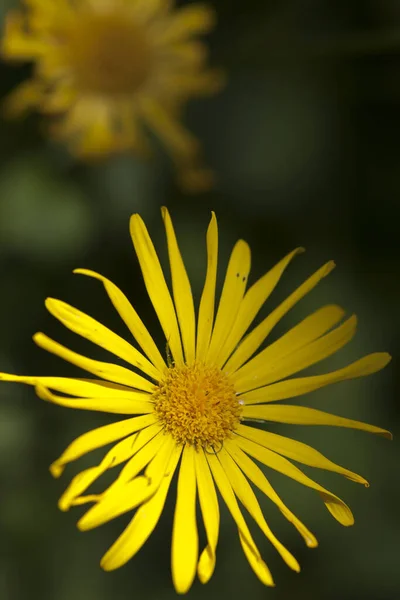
x=305 y=142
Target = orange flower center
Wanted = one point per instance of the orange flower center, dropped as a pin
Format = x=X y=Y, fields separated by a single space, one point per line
x=107 y=53
x=198 y=405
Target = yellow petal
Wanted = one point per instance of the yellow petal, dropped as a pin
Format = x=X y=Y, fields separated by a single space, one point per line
x=253 y=341
x=76 y=387
x=207 y=302
x=143 y=455
x=121 y=498
x=253 y=300
x=156 y=286
x=254 y=473
x=186 y=23
x=231 y=297
x=210 y=512
x=301 y=415
x=249 y=547
x=338 y=509
x=101 y=436
x=185 y=539
x=296 y=451
x=120 y=406
x=305 y=332
x=92 y=330
x=182 y=291
x=303 y=385
x=243 y=491
x=107 y=371
x=300 y=359
x=130 y=318
x=143 y=523
x=17 y=43
x=120 y=453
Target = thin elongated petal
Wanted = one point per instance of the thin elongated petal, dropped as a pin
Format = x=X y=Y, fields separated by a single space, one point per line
x=144 y=454
x=303 y=385
x=131 y=319
x=156 y=286
x=96 y=438
x=249 y=547
x=253 y=341
x=243 y=491
x=103 y=370
x=305 y=332
x=252 y=302
x=231 y=297
x=120 y=406
x=185 y=540
x=338 y=509
x=121 y=498
x=143 y=523
x=301 y=359
x=183 y=297
x=254 y=473
x=82 y=388
x=89 y=328
x=189 y=21
x=296 y=451
x=17 y=43
x=120 y=453
x=207 y=302
x=210 y=512
x=301 y=415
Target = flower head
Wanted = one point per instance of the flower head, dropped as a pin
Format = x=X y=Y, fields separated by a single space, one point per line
x=196 y=411
x=110 y=68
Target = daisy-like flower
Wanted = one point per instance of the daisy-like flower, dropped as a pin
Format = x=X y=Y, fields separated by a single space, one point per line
x=106 y=68
x=199 y=406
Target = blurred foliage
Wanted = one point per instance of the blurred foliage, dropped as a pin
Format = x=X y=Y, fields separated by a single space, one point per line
x=304 y=140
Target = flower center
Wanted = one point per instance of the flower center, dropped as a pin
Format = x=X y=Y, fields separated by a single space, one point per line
x=198 y=405
x=108 y=53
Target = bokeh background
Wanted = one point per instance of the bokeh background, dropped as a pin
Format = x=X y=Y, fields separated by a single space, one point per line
x=305 y=142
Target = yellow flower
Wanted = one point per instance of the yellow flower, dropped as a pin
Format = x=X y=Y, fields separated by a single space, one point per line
x=108 y=69
x=200 y=405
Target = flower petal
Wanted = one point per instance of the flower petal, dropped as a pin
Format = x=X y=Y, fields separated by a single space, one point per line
x=92 y=330
x=206 y=310
x=231 y=298
x=254 y=473
x=96 y=438
x=183 y=297
x=302 y=358
x=303 y=385
x=120 y=406
x=104 y=370
x=296 y=451
x=249 y=547
x=301 y=415
x=300 y=336
x=156 y=286
x=143 y=523
x=131 y=319
x=253 y=341
x=75 y=386
x=188 y=22
x=210 y=512
x=243 y=491
x=121 y=498
x=338 y=509
x=252 y=302
x=185 y=539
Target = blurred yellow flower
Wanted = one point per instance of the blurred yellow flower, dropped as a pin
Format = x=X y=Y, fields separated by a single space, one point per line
x=200 y=408
x=110 y=69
